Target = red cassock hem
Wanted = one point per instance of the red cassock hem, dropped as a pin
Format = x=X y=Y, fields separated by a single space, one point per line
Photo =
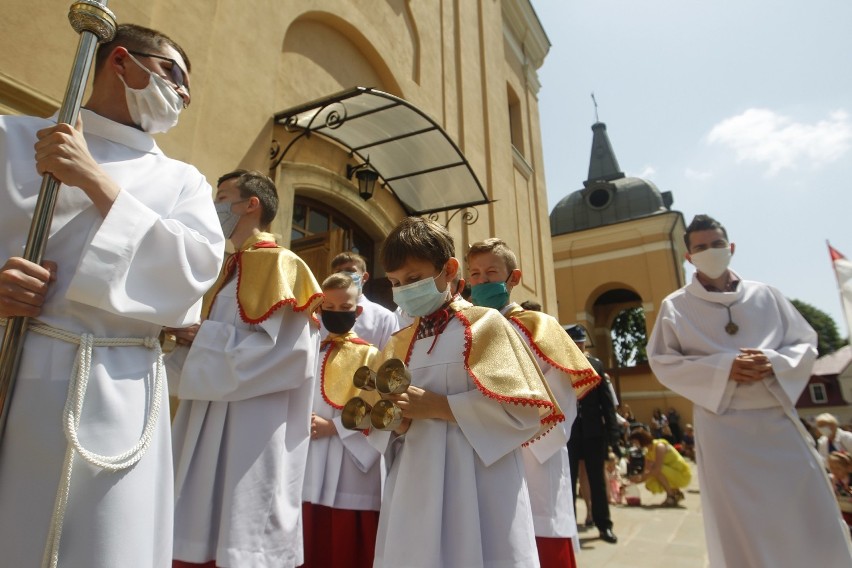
x=182 y=564
x=555 y=552
x=338 y=537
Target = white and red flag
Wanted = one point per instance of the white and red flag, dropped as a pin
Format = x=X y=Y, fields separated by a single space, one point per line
x=843 y=270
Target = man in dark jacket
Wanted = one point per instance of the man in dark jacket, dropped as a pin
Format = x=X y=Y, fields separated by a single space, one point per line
x=594 y=430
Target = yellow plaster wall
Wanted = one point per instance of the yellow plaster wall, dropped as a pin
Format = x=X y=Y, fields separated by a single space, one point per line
x=644 y=256
x=253 y=58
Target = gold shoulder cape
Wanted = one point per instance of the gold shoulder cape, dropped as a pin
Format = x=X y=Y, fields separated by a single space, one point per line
x=550 y=342
x=268 y=277
x=496 y=358
x=342 y=356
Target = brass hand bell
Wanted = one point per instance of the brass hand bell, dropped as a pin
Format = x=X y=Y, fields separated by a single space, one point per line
x=393 y=377
x=386 y=415
x=356 y=414
x=365 y=378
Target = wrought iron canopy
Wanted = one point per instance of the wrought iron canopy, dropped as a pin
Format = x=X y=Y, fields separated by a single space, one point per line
x=415 y=158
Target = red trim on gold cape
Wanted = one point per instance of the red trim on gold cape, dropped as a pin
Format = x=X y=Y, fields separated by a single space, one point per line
x=269 y=276
x=469 y=316
x=549 y=341
x=353 y=353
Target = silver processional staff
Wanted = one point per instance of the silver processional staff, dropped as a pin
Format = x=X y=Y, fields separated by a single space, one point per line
x=95 y=23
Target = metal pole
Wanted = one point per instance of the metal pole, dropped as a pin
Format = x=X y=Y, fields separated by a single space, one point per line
x=95 y=23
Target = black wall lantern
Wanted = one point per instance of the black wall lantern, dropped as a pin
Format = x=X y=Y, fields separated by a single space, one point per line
x=367 y=177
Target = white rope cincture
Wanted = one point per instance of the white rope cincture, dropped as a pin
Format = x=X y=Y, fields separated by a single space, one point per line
x=71 y=420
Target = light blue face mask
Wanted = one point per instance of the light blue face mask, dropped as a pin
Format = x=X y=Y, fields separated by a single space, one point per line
x=420 y=298
x=356 y=279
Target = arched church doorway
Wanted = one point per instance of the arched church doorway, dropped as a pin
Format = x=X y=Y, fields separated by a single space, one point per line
x=319 y=233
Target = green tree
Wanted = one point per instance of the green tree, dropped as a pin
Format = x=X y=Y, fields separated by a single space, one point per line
x=629 y=337
x=829 y=339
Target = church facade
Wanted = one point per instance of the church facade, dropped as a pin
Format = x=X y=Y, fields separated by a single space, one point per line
x=463 y=75
x=467 y=68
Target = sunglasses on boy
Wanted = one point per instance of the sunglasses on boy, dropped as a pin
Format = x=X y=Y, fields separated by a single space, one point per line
x=176 y=73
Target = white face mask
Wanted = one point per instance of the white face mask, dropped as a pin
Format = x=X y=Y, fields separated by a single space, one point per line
x=227 y=218
x=712 y=262
x=155 y=108
x=825 y=431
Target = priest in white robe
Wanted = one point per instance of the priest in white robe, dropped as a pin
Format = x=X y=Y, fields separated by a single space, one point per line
x=241 y=431
x=134 y=244
x=742 y=353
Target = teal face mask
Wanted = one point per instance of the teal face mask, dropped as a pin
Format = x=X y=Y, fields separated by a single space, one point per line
x=490 y=294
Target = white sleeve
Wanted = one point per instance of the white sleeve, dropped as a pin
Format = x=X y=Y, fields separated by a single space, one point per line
x=152 y=268
x=390 y=325
x=793 y=360
x=703 y=379
x=492 y=428
x=357 y=446
x=227 y=363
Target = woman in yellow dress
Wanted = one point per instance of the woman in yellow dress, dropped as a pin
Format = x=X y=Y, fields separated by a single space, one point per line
x=665 y=469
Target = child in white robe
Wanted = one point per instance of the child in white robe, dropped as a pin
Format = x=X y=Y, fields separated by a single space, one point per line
x=455 y=492
x=241 y=431
x=342 y=492
x=493 y=270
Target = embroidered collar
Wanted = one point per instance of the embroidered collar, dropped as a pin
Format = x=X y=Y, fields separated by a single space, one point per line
x=437 y=321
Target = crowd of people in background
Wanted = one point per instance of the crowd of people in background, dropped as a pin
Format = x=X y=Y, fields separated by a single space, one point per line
x=834 y=445
x=662 y=440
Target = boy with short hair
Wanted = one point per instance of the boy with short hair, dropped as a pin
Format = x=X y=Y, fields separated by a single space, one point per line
x=375 y=322
x=241 y=431
x=342 y=492
x=455 y=492
x=493 y=273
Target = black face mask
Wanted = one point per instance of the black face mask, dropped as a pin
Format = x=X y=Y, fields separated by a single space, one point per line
x=338 y=322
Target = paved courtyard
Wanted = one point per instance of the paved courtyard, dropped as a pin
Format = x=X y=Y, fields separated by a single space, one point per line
x=649 y=535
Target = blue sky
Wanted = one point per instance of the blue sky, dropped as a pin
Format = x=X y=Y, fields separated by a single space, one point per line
x=743 y=110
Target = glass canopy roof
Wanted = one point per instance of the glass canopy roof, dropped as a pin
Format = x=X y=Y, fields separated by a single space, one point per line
x=412 y=154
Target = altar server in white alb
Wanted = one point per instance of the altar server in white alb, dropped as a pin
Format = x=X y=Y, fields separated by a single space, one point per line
x=246 y=385
x=134 y=244
x=455 y=493
x=743 y=354
x=343 y=486
x=376 y=323
x=494 y=273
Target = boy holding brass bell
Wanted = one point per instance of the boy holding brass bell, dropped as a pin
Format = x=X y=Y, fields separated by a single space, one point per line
x=455 y=494
x=342 y=491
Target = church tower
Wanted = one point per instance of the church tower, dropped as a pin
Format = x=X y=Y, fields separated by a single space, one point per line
x=617 y=244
